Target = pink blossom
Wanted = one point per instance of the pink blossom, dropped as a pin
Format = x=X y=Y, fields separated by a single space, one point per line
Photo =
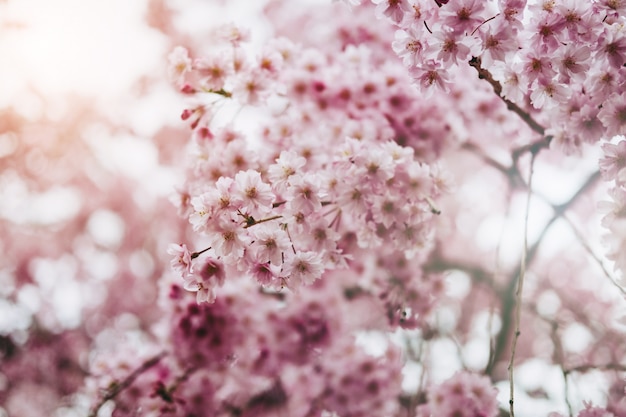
x=213 y=70
x=234 y=34
x=389 y=211
x=586 y=124
x=303 y=194
x=513 y=85
x=303 y=268
x=205 y=280
x=270 y=243
x=463 y=16
x=548 y=94
x=222 y=196
x=547 y=31
x=430 y=75
x=265 y=273
x=536 y=65
x=287 y=164
x=574 y=63
x=591 y=411
x=179 y=65
x=181 y=261
x=255 y=195
x=452 y=48
x=227 y=238
x=614 y=50
x=617 y=7
x=251 y=86
x=464 y=394
x=202 y=212
x=410 y=47
x=614 y=161
x=614 y=210
x=393 y=9
x=613 y=115
x=497 y=43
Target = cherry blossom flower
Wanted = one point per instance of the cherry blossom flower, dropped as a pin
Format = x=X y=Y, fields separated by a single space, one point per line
x=410 y=47
x=254 y=195
x=536 y=65
x=179 y=65
x=463 y=16
x=303 y=194
x=251 y=86
x=618 y=7
x=234 y=34
x=451 y=47
x=213 y=71
x=227 y=238
x=574 y=63
x=464 y=394
x=549 y=94
x=393 y=9
x=548 y=28
x=181 y=261
x=265 y=273
x=205 y=280
x=303 y=268
x=270 y=243
x=591 y=411
x=614 y=161
x=613 y=114
x=586 y=124
x=287 y=164
x=430 y=74
x=615 y=48
x=497 y=44
x=202 y=211
x=222 y=197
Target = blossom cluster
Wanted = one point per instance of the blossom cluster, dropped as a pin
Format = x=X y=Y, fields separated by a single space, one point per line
x=464 y=394
x=612 y=167
x=560 y=60
x=297 y=359
x=283 y=216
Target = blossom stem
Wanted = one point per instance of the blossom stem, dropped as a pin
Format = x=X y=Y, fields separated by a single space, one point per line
x=478 y=27
x=433 y=207
x=497 y=88
x=196 y=254
x=121 y=386
x=520 y=288
x=267 y=219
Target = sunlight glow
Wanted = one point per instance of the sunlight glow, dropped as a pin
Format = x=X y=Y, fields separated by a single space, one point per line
x=78 y=46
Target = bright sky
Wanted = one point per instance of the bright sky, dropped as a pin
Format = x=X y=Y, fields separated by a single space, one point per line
x=88 y=46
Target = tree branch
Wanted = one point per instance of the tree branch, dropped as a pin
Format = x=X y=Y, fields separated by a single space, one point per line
x=497 y=88
x=118 y=387
x=507 y=297
x=520 y=288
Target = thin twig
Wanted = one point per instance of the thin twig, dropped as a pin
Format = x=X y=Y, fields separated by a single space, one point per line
x=497 y=88
x=118 y=387
x=590 y=251
x=507 y=296
x=520 y=288
x=558 y=358
x=606 y=367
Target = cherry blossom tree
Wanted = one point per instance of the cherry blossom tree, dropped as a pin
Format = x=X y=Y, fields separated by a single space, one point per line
x=385 y=208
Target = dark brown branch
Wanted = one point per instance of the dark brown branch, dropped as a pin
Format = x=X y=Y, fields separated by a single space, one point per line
x=497 y=88
x=118 y=387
